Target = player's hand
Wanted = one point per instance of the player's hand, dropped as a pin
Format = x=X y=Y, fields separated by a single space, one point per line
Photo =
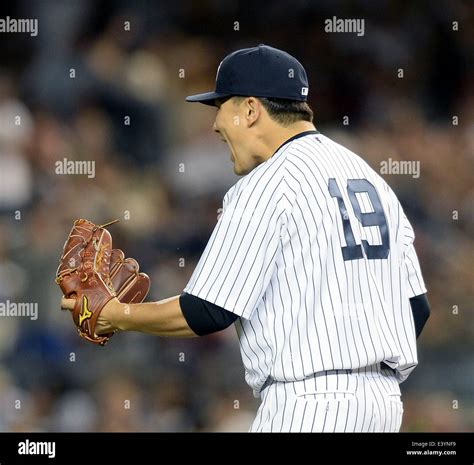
x=68 y=304
x=104 y=324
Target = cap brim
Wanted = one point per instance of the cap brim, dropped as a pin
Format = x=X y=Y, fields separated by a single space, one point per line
x=208 y=98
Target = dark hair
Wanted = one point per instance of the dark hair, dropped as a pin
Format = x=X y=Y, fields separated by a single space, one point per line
x=286 y=112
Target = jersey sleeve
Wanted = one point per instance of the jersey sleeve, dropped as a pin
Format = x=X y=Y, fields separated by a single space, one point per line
x=416 y=285
x=410 y=263
x=239 y=259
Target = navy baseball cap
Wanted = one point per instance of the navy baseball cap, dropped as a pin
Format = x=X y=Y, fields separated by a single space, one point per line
x=261 y=71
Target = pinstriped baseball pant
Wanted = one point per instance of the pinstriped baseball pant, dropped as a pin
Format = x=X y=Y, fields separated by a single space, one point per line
x=363 y=400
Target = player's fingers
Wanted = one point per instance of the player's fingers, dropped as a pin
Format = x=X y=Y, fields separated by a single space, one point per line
x=67 y=304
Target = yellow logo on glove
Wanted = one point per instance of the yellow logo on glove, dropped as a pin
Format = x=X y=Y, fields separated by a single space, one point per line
x=85 y=314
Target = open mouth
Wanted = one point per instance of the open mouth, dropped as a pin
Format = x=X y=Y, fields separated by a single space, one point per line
x=225 y=141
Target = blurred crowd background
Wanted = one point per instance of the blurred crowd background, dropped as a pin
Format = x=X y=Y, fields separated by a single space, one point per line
x=73 y=87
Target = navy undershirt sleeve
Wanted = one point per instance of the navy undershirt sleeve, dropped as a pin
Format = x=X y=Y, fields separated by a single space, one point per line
x=421 y=312
x=205 y=317
x=202 y=316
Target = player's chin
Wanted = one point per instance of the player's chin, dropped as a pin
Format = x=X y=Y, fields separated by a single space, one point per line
x=236 y=170
x=239 y=171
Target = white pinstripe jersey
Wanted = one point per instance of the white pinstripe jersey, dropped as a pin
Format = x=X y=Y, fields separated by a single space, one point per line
x=315 y=254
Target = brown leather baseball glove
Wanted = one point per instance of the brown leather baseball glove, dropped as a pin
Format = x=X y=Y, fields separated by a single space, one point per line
x=93 y=273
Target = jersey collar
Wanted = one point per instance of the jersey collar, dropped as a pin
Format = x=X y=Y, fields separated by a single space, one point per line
x=296 y=136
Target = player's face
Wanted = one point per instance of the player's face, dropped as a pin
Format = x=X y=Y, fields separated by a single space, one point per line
x=229 y=124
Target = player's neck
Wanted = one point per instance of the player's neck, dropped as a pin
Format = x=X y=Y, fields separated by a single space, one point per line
x=280 y=134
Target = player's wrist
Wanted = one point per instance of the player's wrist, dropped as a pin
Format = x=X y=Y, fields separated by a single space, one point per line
x=110 y=318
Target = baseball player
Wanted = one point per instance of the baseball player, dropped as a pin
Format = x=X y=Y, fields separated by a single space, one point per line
x=312 y=259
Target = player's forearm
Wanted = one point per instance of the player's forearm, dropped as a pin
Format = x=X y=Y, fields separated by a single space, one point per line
x=162 y=318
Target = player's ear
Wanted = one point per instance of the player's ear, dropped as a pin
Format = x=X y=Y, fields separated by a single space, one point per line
x=252 y=110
